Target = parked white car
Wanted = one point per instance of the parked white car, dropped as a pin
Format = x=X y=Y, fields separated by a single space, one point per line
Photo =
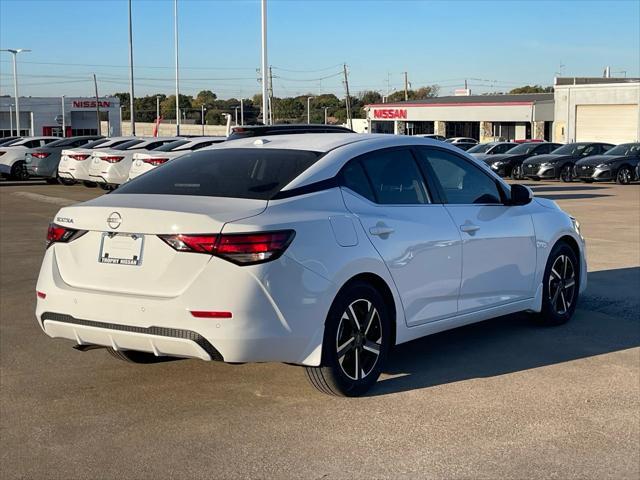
x=12 y=161
x=321 y=250
x=143 y=162
x=110 y=167
x=74 y=163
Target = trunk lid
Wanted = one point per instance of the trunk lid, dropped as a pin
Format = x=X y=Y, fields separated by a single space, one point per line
x=162 y=271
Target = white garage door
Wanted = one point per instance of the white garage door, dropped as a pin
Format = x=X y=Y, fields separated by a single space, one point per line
x=607 y=123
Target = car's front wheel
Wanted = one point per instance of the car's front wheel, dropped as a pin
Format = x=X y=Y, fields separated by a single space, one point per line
x=516 y=172
x=561 y=284
x=566 y=174
x=624 y=175
x=356 y=342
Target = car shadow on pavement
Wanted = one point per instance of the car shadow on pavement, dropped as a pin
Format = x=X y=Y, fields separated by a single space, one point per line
x=607 y=320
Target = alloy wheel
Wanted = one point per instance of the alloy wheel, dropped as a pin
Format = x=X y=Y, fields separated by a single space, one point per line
x=562 y=284
x=566 y=174
x=359 y=339
x=624 y=176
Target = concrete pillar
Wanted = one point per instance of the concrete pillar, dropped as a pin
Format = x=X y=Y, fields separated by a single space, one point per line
x=486 y=132
x=440 y=128
x=399 y=127
x=538 y=130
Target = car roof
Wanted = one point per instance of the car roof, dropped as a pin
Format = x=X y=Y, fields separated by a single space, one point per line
x=316 y=142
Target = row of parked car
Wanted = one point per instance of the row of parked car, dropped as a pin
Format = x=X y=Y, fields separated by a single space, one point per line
x=586 y=161
x=109 y=162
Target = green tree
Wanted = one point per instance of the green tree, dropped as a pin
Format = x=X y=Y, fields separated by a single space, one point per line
x=168 y=107
x=532 y=89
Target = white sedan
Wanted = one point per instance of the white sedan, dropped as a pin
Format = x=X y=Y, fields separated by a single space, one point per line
x=110 y=167
x=74 y=162
x=321 y=250
x=12 y=156
x=143 y=162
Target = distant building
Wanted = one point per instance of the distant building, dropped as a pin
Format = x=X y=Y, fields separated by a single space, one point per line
x=597 y=109
x=43 y=116
x=483 y=117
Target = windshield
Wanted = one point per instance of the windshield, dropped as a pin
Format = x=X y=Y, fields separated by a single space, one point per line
x=626 y=149
x=570 y=149
x=126 y=145
x=481 y=148
x=168 y=147
x=230 y=172
x=523 y=148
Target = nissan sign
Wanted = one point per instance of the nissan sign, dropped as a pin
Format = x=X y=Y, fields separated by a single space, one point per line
x=390 y=113
x=90 y=104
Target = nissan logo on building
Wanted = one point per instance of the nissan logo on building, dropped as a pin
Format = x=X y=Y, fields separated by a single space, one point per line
x=114 y=220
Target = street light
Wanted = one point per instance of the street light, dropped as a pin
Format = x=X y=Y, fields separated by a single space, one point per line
x=325 y=114
x=132 y=110
x=309 y=110
x=175 y=28
x=202 y=110
x=15 y=53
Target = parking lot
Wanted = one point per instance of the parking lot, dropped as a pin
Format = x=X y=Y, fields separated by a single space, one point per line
x=500 y=399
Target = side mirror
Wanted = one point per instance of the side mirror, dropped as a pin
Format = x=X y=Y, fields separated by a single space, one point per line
x=520 y=195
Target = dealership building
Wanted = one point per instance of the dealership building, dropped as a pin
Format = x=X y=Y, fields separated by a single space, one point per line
x=44 y=116
x=596 y=109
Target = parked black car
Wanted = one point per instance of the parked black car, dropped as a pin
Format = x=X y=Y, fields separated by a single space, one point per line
x=619 y=164
x=43 y=161
x=560 y=162
x=260 y=130
x=484 y=150
x=510 y=163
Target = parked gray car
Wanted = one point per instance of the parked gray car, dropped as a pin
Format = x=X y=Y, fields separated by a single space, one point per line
x=43 y=162
x=483 y=151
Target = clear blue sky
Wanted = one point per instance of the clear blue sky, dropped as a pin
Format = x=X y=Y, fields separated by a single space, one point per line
x=496 y=44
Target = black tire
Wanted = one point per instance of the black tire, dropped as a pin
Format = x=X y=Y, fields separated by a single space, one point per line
x=566 y=173
x=19 y=171
x=624 y=175
x=104 y=186
x=516 y=172
x=560 y=286
x=587 y=180
x=51 y=181
x=89 y=184
x=66 y=181
x=134 y=356
x=355 y=371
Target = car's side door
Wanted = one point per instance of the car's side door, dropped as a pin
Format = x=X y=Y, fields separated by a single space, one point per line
x=498 y=240
x=412 y=232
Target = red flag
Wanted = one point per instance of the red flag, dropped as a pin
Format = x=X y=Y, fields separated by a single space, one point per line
x=157 y=126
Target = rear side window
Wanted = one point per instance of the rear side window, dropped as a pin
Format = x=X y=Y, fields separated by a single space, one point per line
x=167 y=147
x=96 y=143
x=239 y=173
x=394 y=177
x=126 y=145
x=354 y=178
x=460 y=181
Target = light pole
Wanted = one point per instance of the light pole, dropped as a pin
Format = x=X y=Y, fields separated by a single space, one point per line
x=11 y=120
x=325 y=114
x=236 y=115
x=15 y=52
x=202 y=110
x=157 y=107
x=64 y=123
x=265 y=101
x=241 y=112
x=132 y=113
x=175 y=28
x=309 y=110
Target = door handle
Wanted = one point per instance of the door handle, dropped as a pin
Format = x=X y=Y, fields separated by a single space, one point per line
x=469 y=228
x=381 y=231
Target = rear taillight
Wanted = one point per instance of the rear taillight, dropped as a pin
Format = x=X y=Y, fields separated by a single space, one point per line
x=59 y=234
x=241 y=249
x=111 y=159
x=79 y=156
x=40 y=154
x=155 y=161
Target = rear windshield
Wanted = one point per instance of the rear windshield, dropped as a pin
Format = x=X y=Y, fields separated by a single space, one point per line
x=126 y=145
x=62 y=142
x=95 y=143
x=239 y=173
x=168 y=147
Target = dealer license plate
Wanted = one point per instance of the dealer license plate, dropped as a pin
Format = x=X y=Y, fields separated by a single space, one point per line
x=121 y=248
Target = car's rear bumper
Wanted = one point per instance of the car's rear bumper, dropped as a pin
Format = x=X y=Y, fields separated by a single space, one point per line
x=278 y=313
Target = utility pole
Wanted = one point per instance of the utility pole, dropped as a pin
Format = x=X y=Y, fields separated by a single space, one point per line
x=270 y=109
x=15 y=53
x=406 y=87
x=265 y=102
x=348 y=100
x=64 y=123
x=132 y=112
x=95 y=84
x=175 y=28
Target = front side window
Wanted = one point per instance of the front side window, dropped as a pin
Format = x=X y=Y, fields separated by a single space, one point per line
x=395 y=177
x=460 y=181
x=238 y=173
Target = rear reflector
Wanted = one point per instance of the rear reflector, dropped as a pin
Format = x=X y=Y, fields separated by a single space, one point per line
x=206 y=314
x=155 y=161
x=40 y=154
x=241 y=249
x=59 y=234
x=41 y=295
x=111 y=159
x=79 y=156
